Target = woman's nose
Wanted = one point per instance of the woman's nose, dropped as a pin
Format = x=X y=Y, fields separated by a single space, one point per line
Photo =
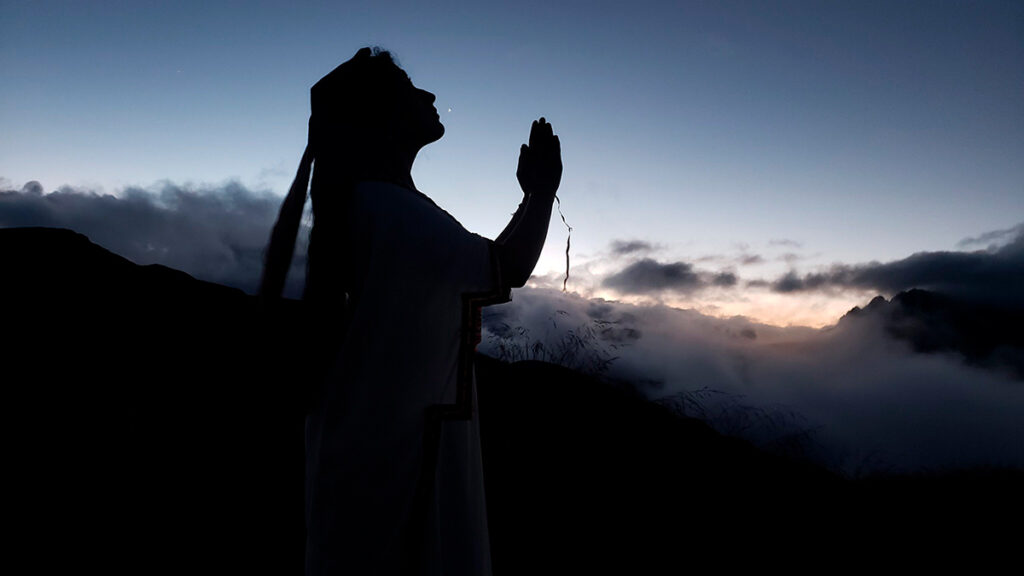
x=429 y=95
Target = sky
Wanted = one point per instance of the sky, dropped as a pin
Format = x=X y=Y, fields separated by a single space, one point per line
x=737 y=175
x=751 y=139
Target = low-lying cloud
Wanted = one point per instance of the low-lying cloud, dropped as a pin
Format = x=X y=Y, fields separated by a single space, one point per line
x=622 y=247
x=865 y=401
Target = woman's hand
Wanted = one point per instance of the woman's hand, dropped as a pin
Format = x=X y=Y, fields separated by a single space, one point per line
x=540 y=163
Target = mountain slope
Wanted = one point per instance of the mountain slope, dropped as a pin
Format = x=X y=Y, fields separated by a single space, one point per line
x=156 y=424
x=982 y=334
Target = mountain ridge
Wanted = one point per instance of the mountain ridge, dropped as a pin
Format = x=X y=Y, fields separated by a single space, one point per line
x=983 y=334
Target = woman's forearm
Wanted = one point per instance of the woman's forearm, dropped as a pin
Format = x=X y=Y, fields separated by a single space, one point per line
x=539 y=174
x=516 y=216
x=520 y=244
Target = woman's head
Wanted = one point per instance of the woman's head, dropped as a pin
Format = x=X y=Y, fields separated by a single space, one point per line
x=368 y=122
x=370 y=103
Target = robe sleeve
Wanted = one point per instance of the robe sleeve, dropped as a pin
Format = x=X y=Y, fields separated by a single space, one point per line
x=484 y=288
x=469 y=262
x=481 y=274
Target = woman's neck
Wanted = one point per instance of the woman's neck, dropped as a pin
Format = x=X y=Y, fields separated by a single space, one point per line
x=369 y=164
x=399 y=170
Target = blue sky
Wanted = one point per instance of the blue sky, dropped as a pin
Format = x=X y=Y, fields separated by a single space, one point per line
x=853 y=132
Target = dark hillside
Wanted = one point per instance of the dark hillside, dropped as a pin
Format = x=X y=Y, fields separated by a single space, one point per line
x=593 y=476
x=154 y=423
x=152 y=426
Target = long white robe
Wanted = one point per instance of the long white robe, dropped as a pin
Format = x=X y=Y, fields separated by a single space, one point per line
x=377 y=487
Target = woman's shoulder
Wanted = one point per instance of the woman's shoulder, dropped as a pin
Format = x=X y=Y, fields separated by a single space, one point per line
x=376 y=195
x=372 y=187
x=385 y=191
x=378 y=185
x=395 y=197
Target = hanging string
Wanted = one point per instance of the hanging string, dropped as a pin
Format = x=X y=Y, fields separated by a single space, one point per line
x=568 y=240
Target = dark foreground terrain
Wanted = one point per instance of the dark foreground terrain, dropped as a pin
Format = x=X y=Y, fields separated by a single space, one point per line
x=154 y=424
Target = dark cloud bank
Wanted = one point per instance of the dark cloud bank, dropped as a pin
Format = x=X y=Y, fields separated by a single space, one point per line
x=215 y=233
x=995 y=275
x=649 y=276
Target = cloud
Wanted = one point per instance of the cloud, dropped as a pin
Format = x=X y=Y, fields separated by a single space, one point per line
x=785 y=242
x=993 y=238
x=866 y=401
x=995 y=276
x=791 y=258
x=648 y=276
x=741 y=259
x=724 y=279
x=791 y=282
x=215 y=233
x=622 y=247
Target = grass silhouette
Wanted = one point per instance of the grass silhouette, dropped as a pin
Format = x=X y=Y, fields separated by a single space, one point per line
x=586 y=348
x=580 y=348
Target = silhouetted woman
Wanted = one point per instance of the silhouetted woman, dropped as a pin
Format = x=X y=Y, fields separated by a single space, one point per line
x=394 y=482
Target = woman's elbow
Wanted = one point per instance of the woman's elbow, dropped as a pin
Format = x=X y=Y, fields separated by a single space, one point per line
x=518 y=281
x=516 y=271
x=518 y=275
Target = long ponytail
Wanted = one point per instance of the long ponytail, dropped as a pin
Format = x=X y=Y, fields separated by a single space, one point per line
x=339 y=138
x=282 y=240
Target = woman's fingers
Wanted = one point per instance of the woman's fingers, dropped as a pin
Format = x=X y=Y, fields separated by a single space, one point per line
x=543 y=139
x=540 y=162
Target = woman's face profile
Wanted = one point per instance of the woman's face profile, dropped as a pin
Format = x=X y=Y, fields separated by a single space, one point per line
x=416 y=115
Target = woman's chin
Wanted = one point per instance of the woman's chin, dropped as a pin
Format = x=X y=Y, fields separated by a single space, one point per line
x=438 y=132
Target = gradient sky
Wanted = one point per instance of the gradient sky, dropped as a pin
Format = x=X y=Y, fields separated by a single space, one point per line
x=833 y=132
